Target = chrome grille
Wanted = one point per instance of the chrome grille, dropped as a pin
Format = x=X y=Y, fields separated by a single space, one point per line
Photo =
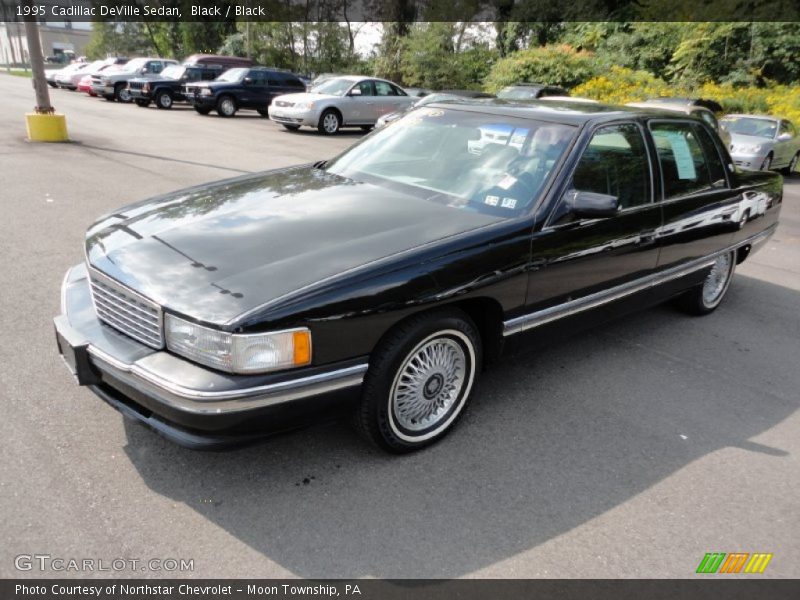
x=283 y=103
x=126 y=311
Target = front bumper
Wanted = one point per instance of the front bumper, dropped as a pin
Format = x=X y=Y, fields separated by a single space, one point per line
x=751 y=162
x=102 y=89
x=139 y=94
x=201 y=101
x=294 y=116
x=189 y=404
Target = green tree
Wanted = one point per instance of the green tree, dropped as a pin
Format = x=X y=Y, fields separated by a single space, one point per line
x=556 y=65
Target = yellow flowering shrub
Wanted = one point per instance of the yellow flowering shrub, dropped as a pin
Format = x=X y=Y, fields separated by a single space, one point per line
x=620 y=85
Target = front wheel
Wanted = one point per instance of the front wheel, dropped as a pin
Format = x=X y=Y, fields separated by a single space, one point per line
x=122 y=93
x=765 y=166
x=226 y=107
x=164 y=100
x=704 y=298
x=419 y=380
x=329 y=122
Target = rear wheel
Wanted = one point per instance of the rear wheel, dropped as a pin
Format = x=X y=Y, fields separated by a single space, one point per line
x=143 y=103
x=202 y=110
x=419 y=380
x=164 y=100
x=329 y=122
x=705 y=297
x=291 y=127
x=122 y=93
x=792 y=168
x=226 y=106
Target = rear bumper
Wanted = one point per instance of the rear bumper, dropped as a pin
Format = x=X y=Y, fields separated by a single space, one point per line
x=190 y=405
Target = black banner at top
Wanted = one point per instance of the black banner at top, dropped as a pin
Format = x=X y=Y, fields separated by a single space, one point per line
x=402 y=10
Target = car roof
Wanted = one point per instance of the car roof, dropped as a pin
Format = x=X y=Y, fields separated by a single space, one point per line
x=746 y=116
x=670 y=106
x=568 y=113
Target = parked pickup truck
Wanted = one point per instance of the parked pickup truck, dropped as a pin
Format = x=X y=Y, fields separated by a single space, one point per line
x=235 y=89
x=168 y=87
x=114 y=86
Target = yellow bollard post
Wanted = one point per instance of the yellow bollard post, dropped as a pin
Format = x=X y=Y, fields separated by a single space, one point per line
x=44 y=124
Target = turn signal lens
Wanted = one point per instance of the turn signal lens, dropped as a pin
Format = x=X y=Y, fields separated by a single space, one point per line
x=302 y=347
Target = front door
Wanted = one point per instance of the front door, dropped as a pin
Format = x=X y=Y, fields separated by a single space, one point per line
x=577 y=258
x=359 y=107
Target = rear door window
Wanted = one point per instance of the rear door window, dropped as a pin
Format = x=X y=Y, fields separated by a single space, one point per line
x=684 y=167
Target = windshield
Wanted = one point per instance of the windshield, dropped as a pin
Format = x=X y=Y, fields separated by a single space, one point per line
x=232 y=75
x=333 y=87
x=135 y=64
x=765 y=128
x=518 y=93
x=470 y=161
x=173 y=72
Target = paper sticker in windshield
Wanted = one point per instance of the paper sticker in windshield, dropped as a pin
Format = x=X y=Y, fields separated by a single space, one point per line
x=509 y=203
x=491 y=200
x=507 y=181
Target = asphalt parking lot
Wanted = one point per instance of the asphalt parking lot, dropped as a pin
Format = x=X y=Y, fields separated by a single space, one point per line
x=627 y=451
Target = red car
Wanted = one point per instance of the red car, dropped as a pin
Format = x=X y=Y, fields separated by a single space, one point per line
x=85 y=85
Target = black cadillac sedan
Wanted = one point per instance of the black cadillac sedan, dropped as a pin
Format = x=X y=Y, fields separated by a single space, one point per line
x=385 y=279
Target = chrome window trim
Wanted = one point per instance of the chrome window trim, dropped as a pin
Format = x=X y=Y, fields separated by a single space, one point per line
x=566 y=309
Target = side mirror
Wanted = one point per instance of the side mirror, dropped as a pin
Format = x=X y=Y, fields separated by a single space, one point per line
x=247 y=81
x=591 y=205
x=784 y=137
x=355 y=92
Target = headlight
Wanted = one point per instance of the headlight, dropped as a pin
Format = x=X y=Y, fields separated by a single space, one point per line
x=205 y=92
x=146 y=87
x=307 y=105
x=106 y=80
x=238 y=353
x=747 y=148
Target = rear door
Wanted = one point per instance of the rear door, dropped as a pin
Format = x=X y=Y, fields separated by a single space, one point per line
x=388 y=99
x=580 y=257
x=785 y=149
x=701 y=211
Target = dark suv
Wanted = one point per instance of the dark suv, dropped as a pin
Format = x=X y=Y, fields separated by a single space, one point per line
x=235 y=89
x=168 y=88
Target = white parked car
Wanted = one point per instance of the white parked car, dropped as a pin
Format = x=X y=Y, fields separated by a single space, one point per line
x=348 y=101
x=69 y=78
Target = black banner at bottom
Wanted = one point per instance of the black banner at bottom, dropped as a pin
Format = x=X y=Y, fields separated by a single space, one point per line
x=401 y=589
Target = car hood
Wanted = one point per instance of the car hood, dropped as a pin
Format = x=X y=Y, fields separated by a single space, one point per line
x=215 y=252
x=752 y=140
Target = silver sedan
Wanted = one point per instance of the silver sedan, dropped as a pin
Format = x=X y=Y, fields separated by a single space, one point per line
x=761 y=142
x=348 y=101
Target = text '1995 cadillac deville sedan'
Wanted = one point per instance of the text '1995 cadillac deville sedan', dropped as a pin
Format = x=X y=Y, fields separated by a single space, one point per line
x=384 y=279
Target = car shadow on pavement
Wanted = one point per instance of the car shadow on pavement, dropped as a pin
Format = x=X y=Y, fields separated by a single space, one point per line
x=554 y=438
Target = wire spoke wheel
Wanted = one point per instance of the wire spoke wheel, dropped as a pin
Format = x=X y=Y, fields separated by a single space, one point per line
x=429 y=384
x=717 y=280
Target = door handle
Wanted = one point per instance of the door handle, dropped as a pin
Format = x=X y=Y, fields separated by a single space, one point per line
x=646 y=238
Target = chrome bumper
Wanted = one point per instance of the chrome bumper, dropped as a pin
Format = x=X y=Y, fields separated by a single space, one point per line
x=168 y=385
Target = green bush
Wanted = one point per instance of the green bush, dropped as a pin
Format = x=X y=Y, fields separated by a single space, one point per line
x=555 y=65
